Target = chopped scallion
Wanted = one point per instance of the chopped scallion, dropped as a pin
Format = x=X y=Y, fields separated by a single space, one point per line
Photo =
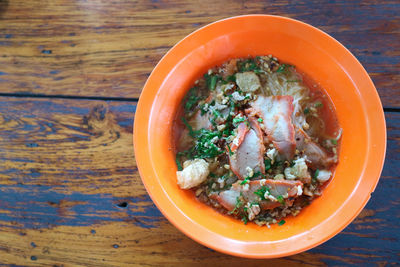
x=245 y=181
x=280 y=200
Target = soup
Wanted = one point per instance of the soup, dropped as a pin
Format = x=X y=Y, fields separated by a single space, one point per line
x=256 y=139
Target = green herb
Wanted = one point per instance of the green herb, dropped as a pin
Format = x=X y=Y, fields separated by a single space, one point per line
x=191 y=99
x=178 y=163
x=230 y=151
x=318 y=105
x=236 y=121
x=217 y=113
x=204 y=147
x=245 y=181
x=258 y=71
x=280 y=199
x=179 y=155
x=284 y=68
x=267 y=163
x=260 y=120
x=306 y=111
x=211 y=81
x=282 y=222
x=247 y=65
x=254 y=203
x=203 y=109
x=244 y=219
x=238 y=205
x=191 y=132
x=334 y=141
x=257 y=174
x=231 y=78
x=261 y=192
x=316 y=173
x=277 y=163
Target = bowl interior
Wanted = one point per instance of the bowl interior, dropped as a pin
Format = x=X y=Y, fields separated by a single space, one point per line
x=326 y=62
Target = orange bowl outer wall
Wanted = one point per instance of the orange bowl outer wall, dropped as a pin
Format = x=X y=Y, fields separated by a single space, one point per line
x=330 y=64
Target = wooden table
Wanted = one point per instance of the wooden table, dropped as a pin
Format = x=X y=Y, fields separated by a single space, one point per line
x=70 y=76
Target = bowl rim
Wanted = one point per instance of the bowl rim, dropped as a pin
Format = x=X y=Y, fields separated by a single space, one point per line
x=142 y=154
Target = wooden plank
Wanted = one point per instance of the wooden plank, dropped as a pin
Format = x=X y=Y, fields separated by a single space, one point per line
x=70 y=194
x=108 y=48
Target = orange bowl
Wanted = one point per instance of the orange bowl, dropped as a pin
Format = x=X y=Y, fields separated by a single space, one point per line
x=330 y=64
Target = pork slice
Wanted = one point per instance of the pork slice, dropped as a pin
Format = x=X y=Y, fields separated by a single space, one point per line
x=241 y=134
x=317 y=156
x=200 y=121
x=249 y=154
x=287 y=189
x=276 y=112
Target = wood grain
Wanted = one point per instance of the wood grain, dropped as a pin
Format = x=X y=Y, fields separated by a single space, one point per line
x=70 y=194
x=108 y=48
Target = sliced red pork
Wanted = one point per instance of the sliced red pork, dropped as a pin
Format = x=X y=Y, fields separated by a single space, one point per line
x=316 y=155
x=248 y=152
x=276 y=189
x=276 y=113
x=242 y=130
x=201 y=121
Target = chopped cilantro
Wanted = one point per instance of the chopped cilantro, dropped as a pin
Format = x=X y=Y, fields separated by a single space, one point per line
x=316 y=173
x=261 y=192
x=203 y=109
x=244 y=219
x=257 y=174
x=277 y=163
x=211 y=81
x=282 y=222
x=191 y=99
x=230 y=151
x=260 y=120
x=280 y=199
x=178 y=163
x=205 y=147
x=334 y=141
x=318 y=105
x=267 y=163
x=238 y=205
x=231 y=78
x=306 y=111
x=245 y=181
x=236 y=121
x=247 y=65
x=254 y=203
x=217 y=113
x=191 y=132
x=179 y=155
x=284 y=68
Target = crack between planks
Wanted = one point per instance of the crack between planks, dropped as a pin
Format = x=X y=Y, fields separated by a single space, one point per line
x=391 y=109
x=125 y=99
